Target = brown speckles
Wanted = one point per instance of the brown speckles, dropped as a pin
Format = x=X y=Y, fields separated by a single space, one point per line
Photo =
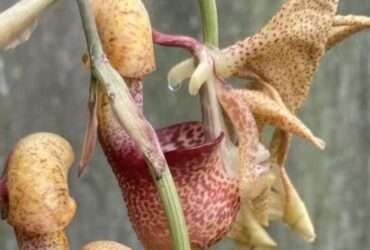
x=105 y=245
x=39 y=204
x=208 y=195
x=125 y=30
x=50 y=241
x=296 y=35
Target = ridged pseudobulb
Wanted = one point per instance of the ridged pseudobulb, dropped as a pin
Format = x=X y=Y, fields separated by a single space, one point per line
x=39 y=200
x=125 y=30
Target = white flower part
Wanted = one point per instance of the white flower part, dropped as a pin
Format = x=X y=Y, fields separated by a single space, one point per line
x=203 y=73
x=180 y=72
x=210 y=61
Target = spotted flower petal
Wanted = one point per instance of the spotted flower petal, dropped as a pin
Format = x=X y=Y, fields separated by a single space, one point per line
x=344 y=27
x=268 y=109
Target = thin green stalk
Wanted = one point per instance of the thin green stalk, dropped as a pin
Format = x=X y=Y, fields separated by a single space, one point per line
x=132 y=119
x=208 y=11
x=211 y=111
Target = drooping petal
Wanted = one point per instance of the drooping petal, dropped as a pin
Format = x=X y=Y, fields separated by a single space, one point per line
x=245 y=126
x=247 y=232
x=270 y=111
x=294 y=212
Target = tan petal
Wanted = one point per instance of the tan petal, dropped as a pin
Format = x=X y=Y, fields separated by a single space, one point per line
x=245 y=126
x=345 y=26
x=248 y=232
x=261 y=205
x=271 y=112
x=295 y=213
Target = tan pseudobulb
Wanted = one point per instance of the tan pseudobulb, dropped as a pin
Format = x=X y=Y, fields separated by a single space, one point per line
x=105 y=245
x=39 y=204
x=125 y=30
x=50 y=241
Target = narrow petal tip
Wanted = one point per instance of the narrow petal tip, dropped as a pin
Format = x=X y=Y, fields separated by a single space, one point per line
x=81 y=168
x=321 y=144
x=305 y=228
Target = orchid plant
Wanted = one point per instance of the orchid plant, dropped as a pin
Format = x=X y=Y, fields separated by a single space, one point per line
x=192 y=184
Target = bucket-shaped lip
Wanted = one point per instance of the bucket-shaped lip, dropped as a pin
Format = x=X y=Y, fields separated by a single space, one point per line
x=202 y=145
x=175 y=156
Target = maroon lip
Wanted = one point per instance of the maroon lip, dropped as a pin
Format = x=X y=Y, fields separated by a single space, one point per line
x=204 y=144
x=180 y=143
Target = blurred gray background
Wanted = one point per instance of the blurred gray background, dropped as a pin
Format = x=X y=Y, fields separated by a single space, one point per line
x=43 y=87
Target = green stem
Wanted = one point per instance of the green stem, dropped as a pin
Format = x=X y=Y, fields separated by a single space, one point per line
x=139 y=129
x=208 y=10
x=211 y=111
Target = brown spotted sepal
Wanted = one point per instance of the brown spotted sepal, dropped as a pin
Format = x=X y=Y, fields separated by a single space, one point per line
x=268 y=108
x=286 y=52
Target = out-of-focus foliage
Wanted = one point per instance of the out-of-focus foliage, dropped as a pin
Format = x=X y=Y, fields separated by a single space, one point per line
x=43 y=87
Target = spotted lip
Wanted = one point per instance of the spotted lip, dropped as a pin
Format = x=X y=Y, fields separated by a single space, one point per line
x=210 y=198
x=176 y=151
